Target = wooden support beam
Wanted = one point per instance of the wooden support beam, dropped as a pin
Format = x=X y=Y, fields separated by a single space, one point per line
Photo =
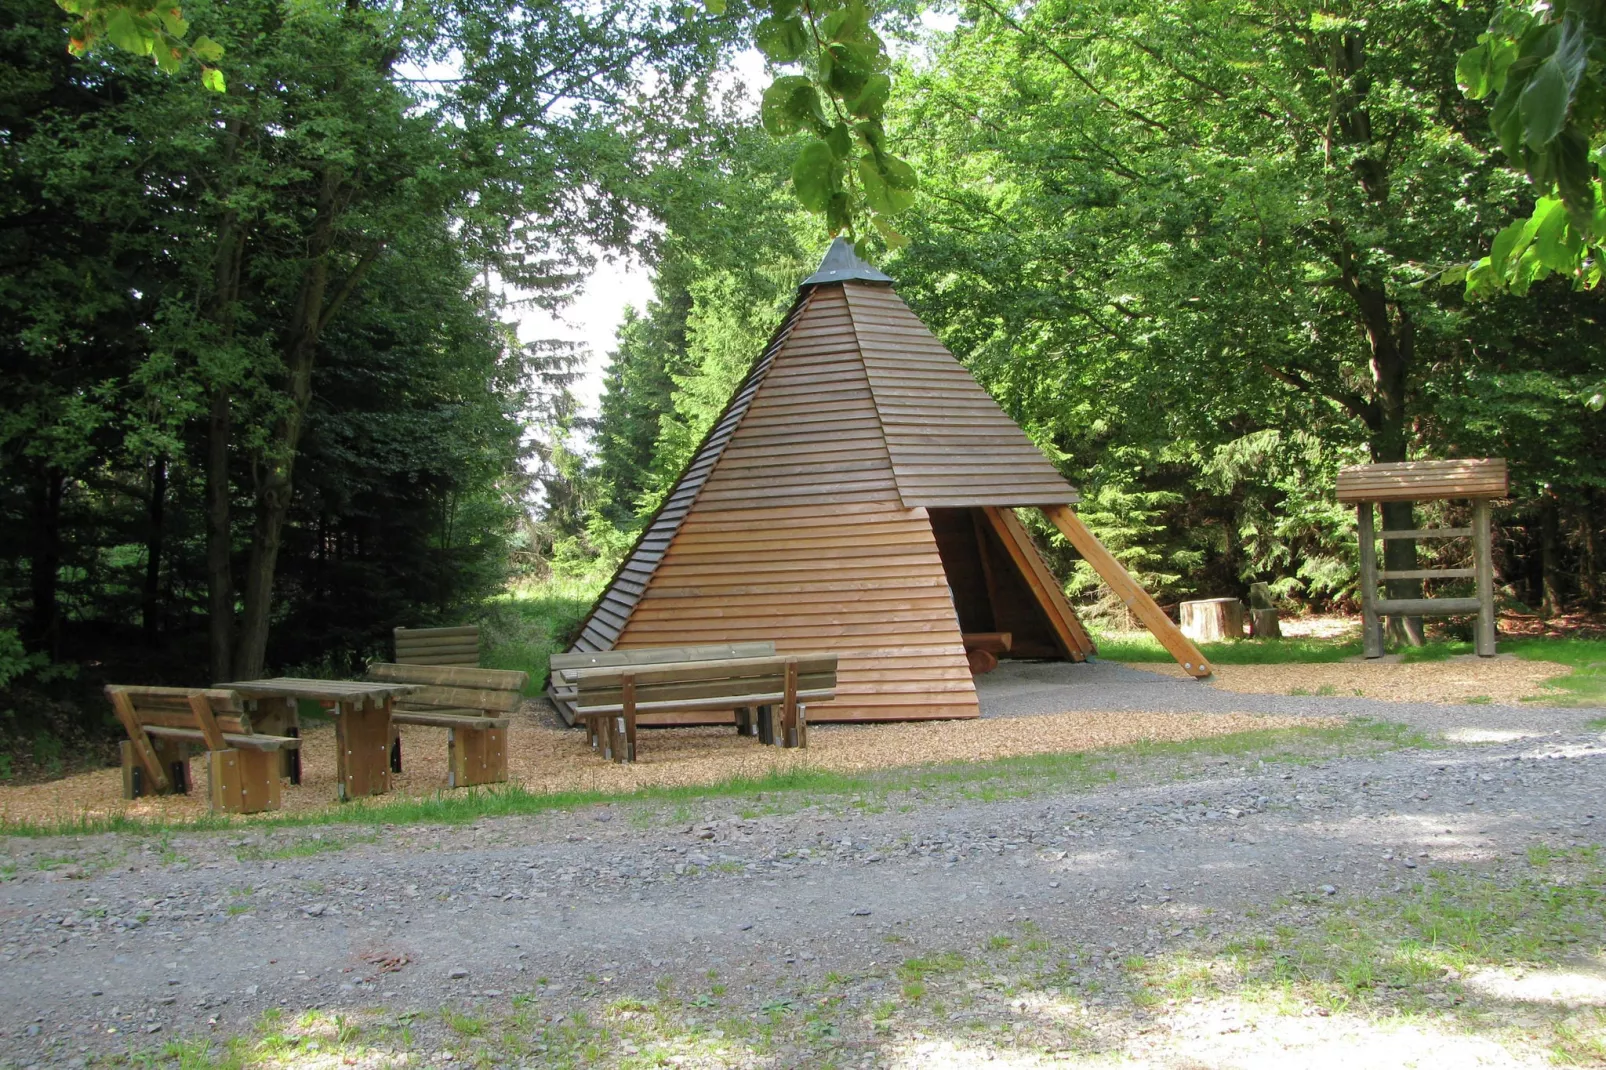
x=1371 y=626
x=1426 y=533
x=1126 y=588
x=140 y=741
x=1426 y=574
x=1068 y=631
x=1483 y=565
x=1427 y=607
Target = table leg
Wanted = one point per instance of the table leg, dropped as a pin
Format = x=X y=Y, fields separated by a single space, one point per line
x=362 y=737
x=281 y=717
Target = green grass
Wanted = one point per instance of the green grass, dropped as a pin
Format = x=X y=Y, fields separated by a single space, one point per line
x=998 y=778
x=530 y=624
x=1142 y=647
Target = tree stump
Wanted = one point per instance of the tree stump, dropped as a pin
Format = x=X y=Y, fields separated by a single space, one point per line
x=1211 y=620
x=1263 y=613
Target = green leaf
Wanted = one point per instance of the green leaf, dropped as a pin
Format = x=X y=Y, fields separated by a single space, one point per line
x=893 y=239
x=1472 y=72
x=841 y=141
x=784 y=8
x=816 y=176
x=127 y=32
x=1595 y=402
x=207 y=50
x=888 y=183
x=873 y=98
x=1529 y=270
x=839 y=213
x=175 y=22
x=1505 y=243
x=781 y=40
x=212 y=78
x=714 y=7
x=1551 y=236
x=1544 y=104
x=789 y=104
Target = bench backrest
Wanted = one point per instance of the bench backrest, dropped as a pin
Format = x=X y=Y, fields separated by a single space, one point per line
x=566 y=665
x=455 y=687
x=438 y=646
x=210 y=711
x=754 y=678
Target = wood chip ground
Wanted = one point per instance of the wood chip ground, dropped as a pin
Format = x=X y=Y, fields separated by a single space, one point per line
x=542 y=758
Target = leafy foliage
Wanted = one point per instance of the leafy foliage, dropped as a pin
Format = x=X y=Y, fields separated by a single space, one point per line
x=1545 y=68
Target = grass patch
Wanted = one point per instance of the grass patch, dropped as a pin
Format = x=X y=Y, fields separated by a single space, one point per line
x=998 y=778
x=1409 y=951
x=525 y=627
x=1142 y=647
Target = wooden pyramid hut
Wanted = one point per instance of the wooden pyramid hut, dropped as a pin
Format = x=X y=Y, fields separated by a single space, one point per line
x=856 y=496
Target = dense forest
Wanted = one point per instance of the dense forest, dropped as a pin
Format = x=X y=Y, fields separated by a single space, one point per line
x=263 y=398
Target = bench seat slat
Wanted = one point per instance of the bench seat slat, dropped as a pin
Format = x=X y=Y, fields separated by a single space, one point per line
x=448 y=719
x=233 y=739
x=728 y=702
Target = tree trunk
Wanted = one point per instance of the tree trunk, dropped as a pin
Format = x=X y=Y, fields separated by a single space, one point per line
x=276 y=465
x=1589 y=551
x=219 y=539
x=1549 y=555
x=151 y=604
x=44 y=566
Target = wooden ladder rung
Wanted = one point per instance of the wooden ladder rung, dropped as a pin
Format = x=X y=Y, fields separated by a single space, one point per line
x=1427 y=573
x=1427 y=533
x=1426 y=607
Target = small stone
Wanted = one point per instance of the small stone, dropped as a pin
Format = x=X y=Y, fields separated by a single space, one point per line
x=154 y=1027
x=314 y=910
x=1328 y=889
x=458 y=974
x=746 y=926
x=860 y=912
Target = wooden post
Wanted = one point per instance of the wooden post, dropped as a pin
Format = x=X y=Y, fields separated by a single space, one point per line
x=627 y=717
x=1068 y=631
x=1483 y=569
x=1371 y=626
x=1127 y=590
x=766 y=725
x=789 y=706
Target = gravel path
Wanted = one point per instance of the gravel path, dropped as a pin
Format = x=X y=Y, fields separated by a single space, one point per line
x=1024 y=689
x=113 y=942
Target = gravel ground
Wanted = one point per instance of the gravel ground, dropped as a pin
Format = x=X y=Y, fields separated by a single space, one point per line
x=114 y=943
x=1024 y=689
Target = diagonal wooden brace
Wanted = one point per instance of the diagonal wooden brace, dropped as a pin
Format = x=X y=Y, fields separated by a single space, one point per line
x=1113 y=573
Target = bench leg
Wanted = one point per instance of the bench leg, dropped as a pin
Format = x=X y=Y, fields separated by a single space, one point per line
x=243 y=781
x=766 y=725
x=395 y=748
x=630 y=735
x=476 y=756
x=133 y=771
x=744 y=721
x=172 y=755
x=802 y=725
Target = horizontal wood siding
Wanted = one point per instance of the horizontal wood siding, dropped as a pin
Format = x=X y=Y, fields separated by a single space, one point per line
x=600 y=630
x=863 y=580
x=950 y=443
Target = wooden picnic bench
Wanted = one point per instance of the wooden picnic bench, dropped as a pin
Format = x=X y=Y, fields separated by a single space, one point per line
x=438 y=646
x=472 y=704
x=608 y=698
x=164 y=724
x=561 y=685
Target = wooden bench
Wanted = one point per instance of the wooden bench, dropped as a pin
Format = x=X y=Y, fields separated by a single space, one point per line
x=165 y=723
x=982 y=649
x=438 y=646
x=561 y=689
x=609 y=698
x=471 y=704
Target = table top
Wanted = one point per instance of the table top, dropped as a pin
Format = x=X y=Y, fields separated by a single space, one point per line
x=320 y=690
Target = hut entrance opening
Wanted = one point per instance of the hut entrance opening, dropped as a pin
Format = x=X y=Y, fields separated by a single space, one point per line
x=990 y=594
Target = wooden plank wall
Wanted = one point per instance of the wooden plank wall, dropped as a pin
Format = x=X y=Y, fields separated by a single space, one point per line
x=602 y=626
x=949 y=442
x=799 y=536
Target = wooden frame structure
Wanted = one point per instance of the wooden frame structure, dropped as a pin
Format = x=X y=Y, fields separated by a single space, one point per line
x=857 y=495
x=1367 y=485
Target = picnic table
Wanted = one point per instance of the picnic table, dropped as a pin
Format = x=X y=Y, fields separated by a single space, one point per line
x=362 y=710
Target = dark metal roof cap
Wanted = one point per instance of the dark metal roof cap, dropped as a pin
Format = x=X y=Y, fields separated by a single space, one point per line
x=842 y=264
